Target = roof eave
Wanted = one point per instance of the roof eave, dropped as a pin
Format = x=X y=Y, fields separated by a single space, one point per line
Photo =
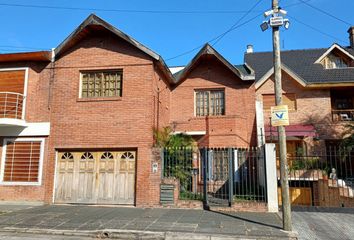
x=209 y=50
x=39 y=56
x=95 y=20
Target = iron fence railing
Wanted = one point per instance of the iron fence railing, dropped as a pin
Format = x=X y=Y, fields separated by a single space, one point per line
x=324 y=178
x=11 y=105
x=339 y=115
x=217 y=175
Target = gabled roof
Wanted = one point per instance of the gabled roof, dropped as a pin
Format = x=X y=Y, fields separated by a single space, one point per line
x=301 y=63
x=95 y=21
x=244 y=72
x=334 y=46
x=286 y=69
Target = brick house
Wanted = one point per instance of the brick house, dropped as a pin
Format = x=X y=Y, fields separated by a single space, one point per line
x=318 y=87
x=213 y=101
x=76 y=123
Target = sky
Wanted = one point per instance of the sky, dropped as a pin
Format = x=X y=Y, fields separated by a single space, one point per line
x=173 y=27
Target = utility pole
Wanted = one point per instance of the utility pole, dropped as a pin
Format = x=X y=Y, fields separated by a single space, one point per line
x=287 y=224
x=276 y=21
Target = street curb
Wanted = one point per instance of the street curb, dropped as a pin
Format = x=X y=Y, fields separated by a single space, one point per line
x=146 y=235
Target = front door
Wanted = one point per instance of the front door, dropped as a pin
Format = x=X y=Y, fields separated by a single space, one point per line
x=96 y=177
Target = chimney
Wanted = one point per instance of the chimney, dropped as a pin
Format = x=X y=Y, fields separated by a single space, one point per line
x=250 y=47
x=351 y=36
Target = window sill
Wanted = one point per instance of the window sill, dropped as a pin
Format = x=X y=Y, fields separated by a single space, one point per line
x=213 y=116
x=98 y=99
x=29 y=184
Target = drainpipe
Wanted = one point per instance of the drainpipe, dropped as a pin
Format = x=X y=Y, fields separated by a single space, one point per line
x=51 y=79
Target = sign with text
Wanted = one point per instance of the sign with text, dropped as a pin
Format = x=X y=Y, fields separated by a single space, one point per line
x=280 y=115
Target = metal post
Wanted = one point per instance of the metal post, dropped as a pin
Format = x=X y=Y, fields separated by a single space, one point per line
x=231 y=174
x=205 y=177
x=17 y=105
x=287 y=224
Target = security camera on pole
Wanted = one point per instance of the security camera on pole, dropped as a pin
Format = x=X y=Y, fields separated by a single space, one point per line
x=280 y=113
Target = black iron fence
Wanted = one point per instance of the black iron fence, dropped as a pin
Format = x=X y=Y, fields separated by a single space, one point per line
x=322 y=179
x=219 y=176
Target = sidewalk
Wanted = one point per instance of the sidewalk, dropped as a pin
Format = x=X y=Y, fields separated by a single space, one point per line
x=134 y=223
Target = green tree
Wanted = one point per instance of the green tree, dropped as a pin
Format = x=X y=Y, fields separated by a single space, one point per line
x=348 y=137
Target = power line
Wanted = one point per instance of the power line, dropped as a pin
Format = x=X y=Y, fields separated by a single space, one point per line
x=213 y=39
x=132 y=10
x=123 y=10
x=237 y=22
x=231 y=29
x=316 y=29
x=324 y=12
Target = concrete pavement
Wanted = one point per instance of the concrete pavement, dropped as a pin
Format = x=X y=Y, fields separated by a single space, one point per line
x=324 y=223
x=136 y=223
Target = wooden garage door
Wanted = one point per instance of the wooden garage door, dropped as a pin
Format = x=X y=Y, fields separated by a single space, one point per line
x=96 y=177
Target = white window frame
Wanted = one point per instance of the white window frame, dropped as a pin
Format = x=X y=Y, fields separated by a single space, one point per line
x=26 y=69
x=41 y=156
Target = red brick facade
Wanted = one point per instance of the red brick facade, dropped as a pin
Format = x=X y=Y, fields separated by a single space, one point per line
x=236 y=127
x=148 y=101
x=313 y=107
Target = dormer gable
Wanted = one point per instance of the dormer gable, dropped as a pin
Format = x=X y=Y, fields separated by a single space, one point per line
x=336 y=57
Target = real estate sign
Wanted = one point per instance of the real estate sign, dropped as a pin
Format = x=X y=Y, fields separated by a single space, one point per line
x=280 y=115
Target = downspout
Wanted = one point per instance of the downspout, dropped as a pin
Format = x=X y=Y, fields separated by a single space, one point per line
x=51 y=78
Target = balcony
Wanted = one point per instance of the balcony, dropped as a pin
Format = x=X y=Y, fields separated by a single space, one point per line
x=342 y=115
x=12 y=109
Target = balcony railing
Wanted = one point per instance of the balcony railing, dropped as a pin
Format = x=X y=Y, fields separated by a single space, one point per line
x=340 y=115
x=11 y=105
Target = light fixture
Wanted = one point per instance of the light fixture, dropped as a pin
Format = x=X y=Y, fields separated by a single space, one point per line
x=268 y=13
x=264 y=26
x=275 y=19
x=283 y=12
x=286 y=24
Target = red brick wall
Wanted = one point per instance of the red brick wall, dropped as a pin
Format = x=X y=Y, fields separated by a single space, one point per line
x=125 y=122
x=313 y=106
x=236 y=127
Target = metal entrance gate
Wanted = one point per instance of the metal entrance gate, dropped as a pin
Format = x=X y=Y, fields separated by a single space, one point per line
x=217 y=176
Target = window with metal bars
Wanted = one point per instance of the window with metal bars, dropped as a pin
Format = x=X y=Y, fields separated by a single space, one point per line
x=22 y=162
x=209 y=102
x=101 y=84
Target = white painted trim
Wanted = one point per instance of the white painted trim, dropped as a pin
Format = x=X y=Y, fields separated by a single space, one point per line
x=40 y=170
x=25 y=94
x=331 y=49
x=12 y=122
x=191 y=132
x=270 y=72
x=29 y=130
x=55 y=176
x=80 y=85
x=271 y=177
x=195 y=103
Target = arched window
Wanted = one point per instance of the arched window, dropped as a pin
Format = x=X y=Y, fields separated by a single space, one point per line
x=127 y=156
x=67 y=156
x=107 y=156
x=87 y=156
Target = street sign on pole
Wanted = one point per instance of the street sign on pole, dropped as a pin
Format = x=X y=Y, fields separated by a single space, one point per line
x=280 y=115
